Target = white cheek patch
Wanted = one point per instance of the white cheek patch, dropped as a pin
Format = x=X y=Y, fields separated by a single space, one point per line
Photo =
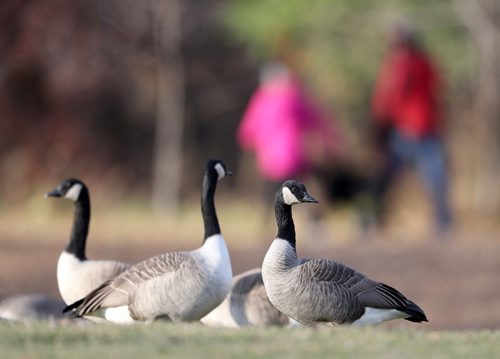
x=289 y=197
x=220 y=171
x=74 y=192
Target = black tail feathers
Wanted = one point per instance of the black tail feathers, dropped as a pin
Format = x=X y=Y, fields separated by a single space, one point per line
x=417 y=315
x=74 y=306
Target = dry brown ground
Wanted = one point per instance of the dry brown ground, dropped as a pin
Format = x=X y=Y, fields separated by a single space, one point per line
x=456 y=283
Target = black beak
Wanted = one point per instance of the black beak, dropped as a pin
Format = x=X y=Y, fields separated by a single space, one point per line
x=308 y=198
x=54 y=193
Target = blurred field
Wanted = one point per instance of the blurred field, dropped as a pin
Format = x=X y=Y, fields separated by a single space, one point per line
x=455 y=282
x=195 y=341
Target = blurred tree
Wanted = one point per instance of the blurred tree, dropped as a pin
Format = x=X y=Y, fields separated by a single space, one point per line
x=96 y=88
x=482 y=18
x=167 y=162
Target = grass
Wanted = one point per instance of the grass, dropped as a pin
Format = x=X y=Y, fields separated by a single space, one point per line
x=48 y=223
x=50 y=340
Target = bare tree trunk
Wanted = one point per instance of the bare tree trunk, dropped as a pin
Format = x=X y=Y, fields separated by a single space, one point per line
x=482 y=18
x=167 y=161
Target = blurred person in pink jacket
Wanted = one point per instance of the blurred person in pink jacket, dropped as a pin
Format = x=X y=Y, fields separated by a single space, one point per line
x=290 y=136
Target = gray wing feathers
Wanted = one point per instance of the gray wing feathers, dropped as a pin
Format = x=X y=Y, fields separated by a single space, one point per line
x=246 y=281
x=117 y=291
x=260 y=311
x=324 y=270
x=117 y=268
x=249 y=303
x=101 y=271
x=370 y=293
x=379 y=295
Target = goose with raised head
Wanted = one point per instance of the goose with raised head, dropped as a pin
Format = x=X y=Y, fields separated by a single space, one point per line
x=314 y=291
x=177 y=286
x=246 y=304
x=77 y=276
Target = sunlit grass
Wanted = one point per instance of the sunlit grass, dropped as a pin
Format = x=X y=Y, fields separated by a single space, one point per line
x=48 y=340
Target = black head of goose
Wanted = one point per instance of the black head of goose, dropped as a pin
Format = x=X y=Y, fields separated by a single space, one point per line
x=76 y=275
x=315 y=291
x=179 y=286
x=76 y=191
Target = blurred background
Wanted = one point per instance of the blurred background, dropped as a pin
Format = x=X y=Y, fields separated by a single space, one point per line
x=133 y=97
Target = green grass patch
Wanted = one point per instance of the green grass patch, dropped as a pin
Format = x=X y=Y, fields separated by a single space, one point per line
x=50 y=340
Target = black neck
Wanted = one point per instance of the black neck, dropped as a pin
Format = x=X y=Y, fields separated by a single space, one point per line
x=284 y=220
x=208 y=206
x=80 y=228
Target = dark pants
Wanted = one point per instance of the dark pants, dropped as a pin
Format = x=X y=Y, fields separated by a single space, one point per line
x=427 y=155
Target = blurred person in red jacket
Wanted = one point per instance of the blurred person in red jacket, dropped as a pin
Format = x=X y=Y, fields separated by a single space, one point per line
x=408 y=120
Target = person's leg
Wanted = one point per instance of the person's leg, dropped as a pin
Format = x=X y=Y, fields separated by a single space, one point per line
x=432 y=164
x=392 y=164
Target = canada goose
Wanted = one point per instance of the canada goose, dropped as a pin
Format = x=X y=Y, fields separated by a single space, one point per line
x=246 y=305
x=321 y=290
x=179 y=286
x=31 y=307
x=76 y=275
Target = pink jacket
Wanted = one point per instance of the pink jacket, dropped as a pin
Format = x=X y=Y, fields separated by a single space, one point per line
x=277 y=124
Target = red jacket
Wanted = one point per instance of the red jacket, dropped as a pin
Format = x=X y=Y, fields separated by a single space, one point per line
x=407 y=93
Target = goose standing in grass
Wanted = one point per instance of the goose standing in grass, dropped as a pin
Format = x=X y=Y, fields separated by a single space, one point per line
x=314 y=291
x=246 y=304
x=77 y=276
x=31 y=307
x=177 y=286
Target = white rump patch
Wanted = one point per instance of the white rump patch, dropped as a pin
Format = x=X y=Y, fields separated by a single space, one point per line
x=9 y=314
x=74 y=192
x=118 y=315
x=220 y=171
x=292 y=323
x=221 y=316
x=374 y=316
x=289 y=197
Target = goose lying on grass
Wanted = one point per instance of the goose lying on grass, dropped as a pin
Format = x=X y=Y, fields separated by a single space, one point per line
x=31 y=307
x=246 y=304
